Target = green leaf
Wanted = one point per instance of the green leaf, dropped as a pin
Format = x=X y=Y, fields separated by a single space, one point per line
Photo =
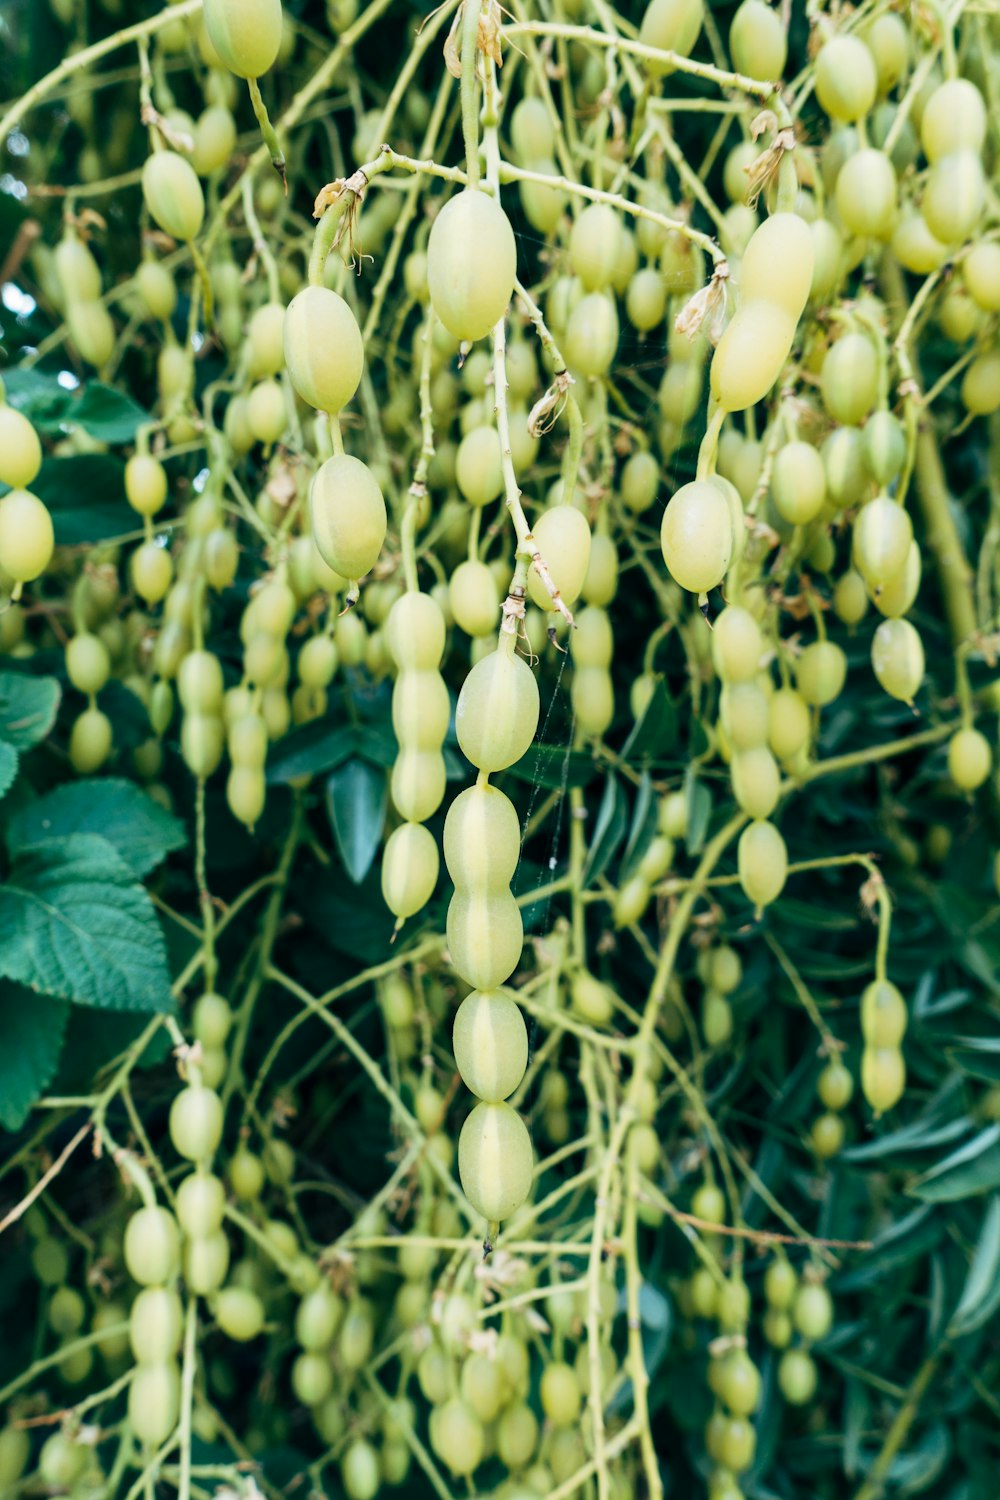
x=27 y=708
x=108 y=415
x=86 y=496
x=981 y=1294
x=39 y=396
x=8 y=766
x=353 y=920
x=32 y=1027
x=356 y=799
x=142 y=831
x=555 y=766
x=609 y=830
x=973 y=1168
x=699 y=810
x=918 y=1135
x=75 y=923
x=643 y=826
x=320 y=746
x=979 y=1056
x=655 y=732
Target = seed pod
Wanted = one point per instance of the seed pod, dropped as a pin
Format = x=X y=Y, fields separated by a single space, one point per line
x=173 y=194
x=491 y=1044
x=470 y=293
x=409 y=869
x=495 y=1161
x=246 y=34
x=348 y=515
x=323 y=349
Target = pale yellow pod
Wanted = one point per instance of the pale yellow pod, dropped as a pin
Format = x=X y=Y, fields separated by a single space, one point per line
x=898 y=659
x=495 y=1161
x=173 y=194
x=670 y=26
x=562 y=537
x=417 y=783
x=788 y=723
x=92 y=331
x=743 y=711
x=497 y=712
x=485 y=937
x=696 y=536
x=245 y=33
x=762 y=860
x=490 y=1041
x=415 y=631
x=409 y=869
x=323 y=349
x=592 y=695
x=474 y=598
x=77 y=271
x=482 y=839
x=898 y=594
x=27 y=538
x=348 y=515
x=471 y=264
x=751 y=355
x=756 y=781
x=20 y=449
x=421 y=709
x=883 y=533
x=777 y=264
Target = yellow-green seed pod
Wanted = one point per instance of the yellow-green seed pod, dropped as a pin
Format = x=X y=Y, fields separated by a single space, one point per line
x=348 y=515
x=324 y=354
x=485 y=937
x=482 y=839
x=173 y=194
x=898 y=659
x=762 y=860
x=495 y=1161
x=497 y=712
x=246 y=34
x=409 y=869
x=470 y=291
x=562 y=537
x=696 y=536
x=491 y=1044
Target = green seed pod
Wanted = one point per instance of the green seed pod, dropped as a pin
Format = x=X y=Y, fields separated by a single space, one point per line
x=246 y=34
x=173 y=194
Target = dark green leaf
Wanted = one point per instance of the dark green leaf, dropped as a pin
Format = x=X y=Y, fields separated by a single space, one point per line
x=95 y=1039
x=377 y=744
x=86 y=495
x=32 y=1027
x=8 y=766
x=39 y=396
x=643 y=826
x=27 y=708
x=141 y=830
x=554 y=766
x=352 y=920
x=981 y=1293
x=75 y=923
x=320 y=746
x=108 y=415
x=609 y=830
x=973 y=1168
x=918 y=1135
x=699 y=810
x=979 y=1056
x=356 y=799
x=655 y=732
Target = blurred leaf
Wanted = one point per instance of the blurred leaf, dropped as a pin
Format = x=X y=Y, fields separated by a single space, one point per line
x=140 y=829
x=979 y=1056
x=356 y=798
x=320 y=746
x=32 y=1027
x=973 y=1168
x=655 y=732
x=75 y=923
x=555 y=766
x=108 y=415
x=8 y=766
x=609 y=830
x=27 y=708
x=699 y=810
x=643 y=827
x=39 y=396
x=981 y=1294
x=918 y=1135
x=353 y=920
x=86 y=496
